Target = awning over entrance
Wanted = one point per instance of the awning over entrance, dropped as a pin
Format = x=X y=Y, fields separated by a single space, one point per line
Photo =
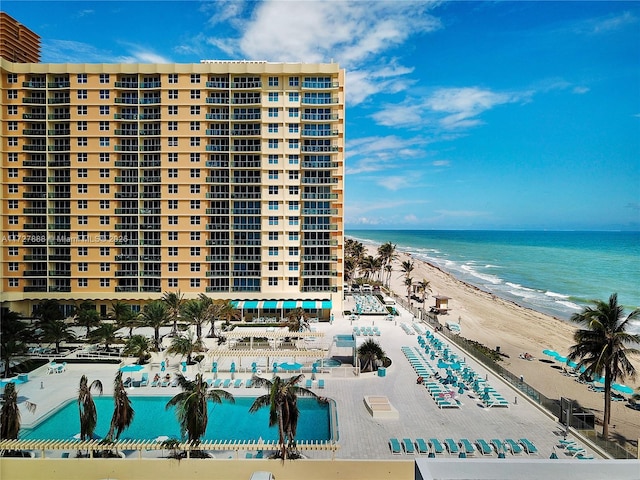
x=289 y=304
x=270 y=304
x=282 y=304
x=309 y=304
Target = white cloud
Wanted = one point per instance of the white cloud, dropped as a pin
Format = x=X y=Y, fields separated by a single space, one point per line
x=580 y=90
x=68 y=51
x=606 y=25
x=441 y=163
x=371 y=154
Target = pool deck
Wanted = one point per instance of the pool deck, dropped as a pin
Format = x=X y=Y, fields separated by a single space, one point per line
x=361 y=436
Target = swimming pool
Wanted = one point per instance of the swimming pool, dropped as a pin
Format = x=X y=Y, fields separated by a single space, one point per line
x=329 y=362
x=227 y=422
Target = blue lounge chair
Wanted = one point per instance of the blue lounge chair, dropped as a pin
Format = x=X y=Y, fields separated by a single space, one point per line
x=217 y=383
x=452 y=446
x=435 y=446
x=226 y=383
x=467 y=446
x=144 y=381
x=498 y=446
x=308 y=383
x=321 y=383
x=155 y=383
x=248 y=383
x=408 y=445
x=483 y=447
x=421 y=446
x=529 y=447
x=513 y=446
x=395 y=447
x=237 y=383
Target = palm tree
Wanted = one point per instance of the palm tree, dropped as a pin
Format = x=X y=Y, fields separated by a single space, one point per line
x=87 y=316
x=87 y=407
x=354 y=252
x=122 y=409
x=10 y=413
x=57 y=331
x=369 y=353
x=387 y=252
x=407 y=267
x=191 y=405
x=13 y=335
x=423 y=287
x=603 y=346
x=185 y=346
x=298 y=320
x=105 y=333
x=173 y=301
x=137 y=346
x=408 y=282
x=154 y=315
x=282 y=401
x=388 y=268
x=195 y=312
x=48 y=310
x=123 y=316
x=228 y=311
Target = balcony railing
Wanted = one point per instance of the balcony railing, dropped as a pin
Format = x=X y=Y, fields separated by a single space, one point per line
x=217 y=84
x=320 y=85
x=34 y=84
x=34 y=163
x=59 y=132
x=217 y=116
x=320 y=227
x=250 y=85
x=246 y=116
x=319 y=101
x=319 y=133
x=125 y=116
x=320 y=117
x=59 y=116
x=35 y=100
x=319 y=180
x=319 y=148
x=319 y=211
x=63 y=84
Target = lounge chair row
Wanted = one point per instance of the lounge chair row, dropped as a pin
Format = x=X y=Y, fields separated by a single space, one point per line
x=463 y=447
x=407 y=329
x=366 y=331
x=309 y=383
x=574 y=449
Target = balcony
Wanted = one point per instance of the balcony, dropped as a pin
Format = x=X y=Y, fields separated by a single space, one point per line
x=150 y=273
x=149 y=133
x=126 y=241
x=150 y=179
x=244 y=226
x=246 y=116
x=246 y=258
x=245 y=180
x=59 y=132
x=35 y=288
x=245 y=85
x=35 y=211
x=246 y=148
x=150 y=101
x=59 y=116
x=218 y=211
x=34 y=195
x=121 y=133
x=126 y=273
x=126 y=211
x=126 y=84
x=217 y=258
x=246 y=133
x=150 y=242
x=319 y=165
x=34 y=116
x=245 y=211
x=126 y=148
x=64 y=84
x=246 y=101
x=217 y=101
x=35 y=226
x=34 y=148
x=319 y=148
x=215 y=273
x=59 y=195
x=60 y=163
x=150 y=148
x=60 y=179
x=150 y=163
x=216 y=226
x=60 y=258
x=60 y=211
x=126 y=226
x=218 y=242
x=59 y=226
x=217 y=148
x=320 y=85
x=246 y=196
x=149 y=211
x=126 y=258
x=150 y=226
x=34 y=179
x=125 y=116
x=319 y=288
x=60 y=273
x=320 y=227
x=214 y=195
x=126 y=289
x=34 y=258
x=150 y=258
x=319 y=211
x=151 y=289
x=244 y=273
x=151 y=84
x=217 y=85
x=150 y=195
x=35 y=273
x=150 y=116
x=319 y=243
x=35 y=100
x=216 y=289
x=39 y=132
x=217 y=133
x=320 y=117
x=319 y=180
x=217 y=116
x=126 y=194
x=319 y=258
x=319 y=133
x=127 y=100
x=59 y=148
x=58 y=101
x=319 y=101
x=60 y=288
x=34 y=163
x=34 y=84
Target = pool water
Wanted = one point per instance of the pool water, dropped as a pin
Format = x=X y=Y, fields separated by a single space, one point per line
x=227 y=422
x=329 y=362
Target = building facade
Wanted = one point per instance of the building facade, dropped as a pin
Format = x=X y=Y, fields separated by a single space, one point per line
x=18 y=44
x=124 y=181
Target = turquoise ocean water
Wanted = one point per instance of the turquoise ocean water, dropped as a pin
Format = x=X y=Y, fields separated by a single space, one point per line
x=552 y=272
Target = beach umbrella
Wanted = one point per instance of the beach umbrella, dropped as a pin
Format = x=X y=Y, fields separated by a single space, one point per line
x=275 y=368
x=561 y=359
x=214 y=369
x=163 y=366
x=254 y=367
x=461 y=388
x=314 y=370
x=184 y=366
x=550 y=353
x=622 y=388
x=572 y=364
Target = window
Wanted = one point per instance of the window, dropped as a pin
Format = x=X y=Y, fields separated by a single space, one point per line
x=82 y=94
x=82 y=78
x=293 y=281
x=194 y=282
x=104 y=109
x=83 y=235
x=195 y=78
x=273 y=174
x=173 y=78
x=104 y=205
x=105 y=251
x=173 y=172
x=294 y=81
x=13 y=173
x=172 y=157
x=173 y=283
x=273 y=112
x=13 y=188
x=173 y=266
x=104 y=141
x=104 y=78
x=273 y=96
x=82 y=125
x=104 y=94
x=273 y=81
x=13 y=141
x=105 y=282
x=173 y=141
x=173 y=109
x=13 y=251
x=173 y=188
x=172 y=220
x=195 y=204
x=104 y=173
x=195 y=267
x=273 y=189
x=293 y=266
x=173 y=251
x=294 y=112
x=104 y=126
x=194 y=141
x=195 y=94
x=83 y=251
x=195 y=251
x=294 y=220
x=173 y=94
x=82 y=219
x=12 y=78
x=294 y=205
x=14 y=282
x=105 y=267
x=83 y=267
x=105 y=157
x=194 y=126
x=294 y=143
x=83 y=282
x=195 y=188
x=273 y=205
x=82 y=188
x=273 y=251
x=81 y=157
x=82 y=141
x=273 y=143
x=294 y=174
x=172 y=126
x=195 y=236
x=294 y=251
x=195 y=109
x=273 y=220
x=294 y=128
x=12 y=94
x=273 y=128
x=12 y=157
x=82 y=109
x=294 y=159
x=13 y=219
x=173 y=204
x=273 y=159
x=104 y=188
x=273 y=266
x=12 y=109
x=294 y=190
x=82 y=205
x=12 y=126
x=173 y=236
x=294 y=97
x=13 y=204
x=194 y=157
x=273 y=236
x=82 y=173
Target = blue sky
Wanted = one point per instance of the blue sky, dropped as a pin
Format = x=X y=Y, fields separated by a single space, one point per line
x=460 y=115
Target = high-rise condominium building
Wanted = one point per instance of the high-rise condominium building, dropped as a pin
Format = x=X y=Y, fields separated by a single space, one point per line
x=124 y=181
x=17 y=43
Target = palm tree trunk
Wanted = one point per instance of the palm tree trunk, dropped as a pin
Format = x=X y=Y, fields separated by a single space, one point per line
x=607 y=403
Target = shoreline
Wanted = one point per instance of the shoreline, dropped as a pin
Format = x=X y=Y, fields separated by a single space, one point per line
x=516 y=329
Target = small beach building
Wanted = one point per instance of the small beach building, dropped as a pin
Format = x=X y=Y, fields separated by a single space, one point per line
x=442 y=302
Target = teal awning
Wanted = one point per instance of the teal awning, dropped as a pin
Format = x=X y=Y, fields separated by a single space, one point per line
x=326 y=304
x=289 y=304
x=250 y=304
x=270 y=304
x=309 y=304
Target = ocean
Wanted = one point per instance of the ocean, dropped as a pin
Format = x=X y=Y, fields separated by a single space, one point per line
x=556 y=273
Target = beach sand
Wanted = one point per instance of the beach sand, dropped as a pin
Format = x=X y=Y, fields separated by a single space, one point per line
x=495 y=322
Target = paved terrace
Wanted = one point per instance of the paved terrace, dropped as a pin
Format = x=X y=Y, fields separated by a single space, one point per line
x=359 y=435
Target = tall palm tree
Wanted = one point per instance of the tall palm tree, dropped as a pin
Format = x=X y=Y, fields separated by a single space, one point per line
x=14 y=333
x=195 y=312
x=298 y=320
x=603 y=346
x=87 y=316
x=87 y=407
x=122 y=409
x=191 y=405
x=408 y=282
x=154 y=315
x=57 y=331
x=185 y=345
x=10 y=413
x=105 y=333
x=228 y=311
x=369 y=353
x=137 y=346
x=282 y=401
x=388 y=268
x=407 y=267
x=173 y=301
x=424 y=286
x=123 y=315
x=47 y=310
x=354 y=252
x=387 y=252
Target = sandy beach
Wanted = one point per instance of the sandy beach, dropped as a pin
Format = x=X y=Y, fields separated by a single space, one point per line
x=495 y=322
